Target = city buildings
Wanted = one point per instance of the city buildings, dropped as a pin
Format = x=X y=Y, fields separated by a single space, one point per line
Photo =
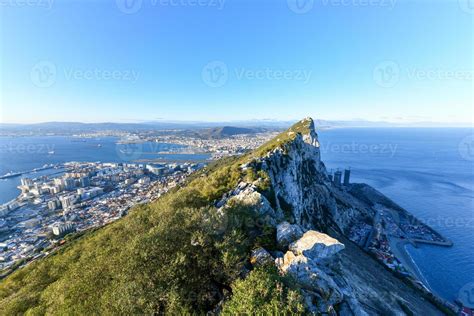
x=84 y=196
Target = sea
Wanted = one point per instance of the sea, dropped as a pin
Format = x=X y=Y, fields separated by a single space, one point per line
x=428 y=171
x=19 y=154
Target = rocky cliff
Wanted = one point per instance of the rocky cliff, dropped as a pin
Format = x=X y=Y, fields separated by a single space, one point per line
x=302 y=189
x=192 y=250
x=305 y=206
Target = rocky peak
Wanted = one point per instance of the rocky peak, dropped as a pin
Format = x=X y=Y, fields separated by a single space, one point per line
x=300 y=202
x=302 y=192
x=311 y=137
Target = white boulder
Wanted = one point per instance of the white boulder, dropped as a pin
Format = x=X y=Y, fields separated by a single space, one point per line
x=316 y=245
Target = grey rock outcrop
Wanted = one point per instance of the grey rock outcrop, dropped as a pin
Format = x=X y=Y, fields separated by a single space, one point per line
x=332 y=281
x=260 y=257
x=302 y=188
x=316 y=245
x=287 y=233
x=320 y=291
x=250 y=197
x=247 y=195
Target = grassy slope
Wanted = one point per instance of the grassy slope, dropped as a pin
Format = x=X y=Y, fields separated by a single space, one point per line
x=163 y=256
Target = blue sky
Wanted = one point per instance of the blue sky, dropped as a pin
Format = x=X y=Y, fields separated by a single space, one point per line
x=139 y=60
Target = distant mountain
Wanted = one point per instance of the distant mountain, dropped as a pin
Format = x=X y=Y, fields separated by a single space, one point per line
x=196 y=128
x=226 y=131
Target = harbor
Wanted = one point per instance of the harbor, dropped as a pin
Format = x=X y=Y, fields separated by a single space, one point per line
x=82 y=196
x=21 y=173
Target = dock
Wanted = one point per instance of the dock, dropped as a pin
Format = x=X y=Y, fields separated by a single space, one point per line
x=20 y=173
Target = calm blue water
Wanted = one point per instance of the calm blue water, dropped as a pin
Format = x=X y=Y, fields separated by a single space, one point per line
x=27 y=153
x=430 y=172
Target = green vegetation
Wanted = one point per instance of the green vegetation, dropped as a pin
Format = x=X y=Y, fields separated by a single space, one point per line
x=264 y=292
x=280 y=141
x=176 y=255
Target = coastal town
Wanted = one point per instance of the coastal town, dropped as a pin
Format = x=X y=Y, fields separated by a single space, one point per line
x=78 y=197
x=218 y=148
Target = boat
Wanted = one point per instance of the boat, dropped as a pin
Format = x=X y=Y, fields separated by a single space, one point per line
x=51 y=152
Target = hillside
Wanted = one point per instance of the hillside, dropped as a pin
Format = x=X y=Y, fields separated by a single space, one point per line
x=225 y=131
x=212 y=245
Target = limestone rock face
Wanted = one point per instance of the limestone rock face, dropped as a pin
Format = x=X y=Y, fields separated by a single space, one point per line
x=287 y=233
x=303 y=190
x=320 y=291
x=283 y=263
x=316 y=245
x=247 y=195
x=250 y=197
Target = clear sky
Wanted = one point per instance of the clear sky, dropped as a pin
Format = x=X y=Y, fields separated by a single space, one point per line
x=139 y=60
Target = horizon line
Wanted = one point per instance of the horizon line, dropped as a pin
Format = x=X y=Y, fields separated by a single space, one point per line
x=270 y=121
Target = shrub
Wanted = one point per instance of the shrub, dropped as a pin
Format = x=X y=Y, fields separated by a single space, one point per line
x=264 y=292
